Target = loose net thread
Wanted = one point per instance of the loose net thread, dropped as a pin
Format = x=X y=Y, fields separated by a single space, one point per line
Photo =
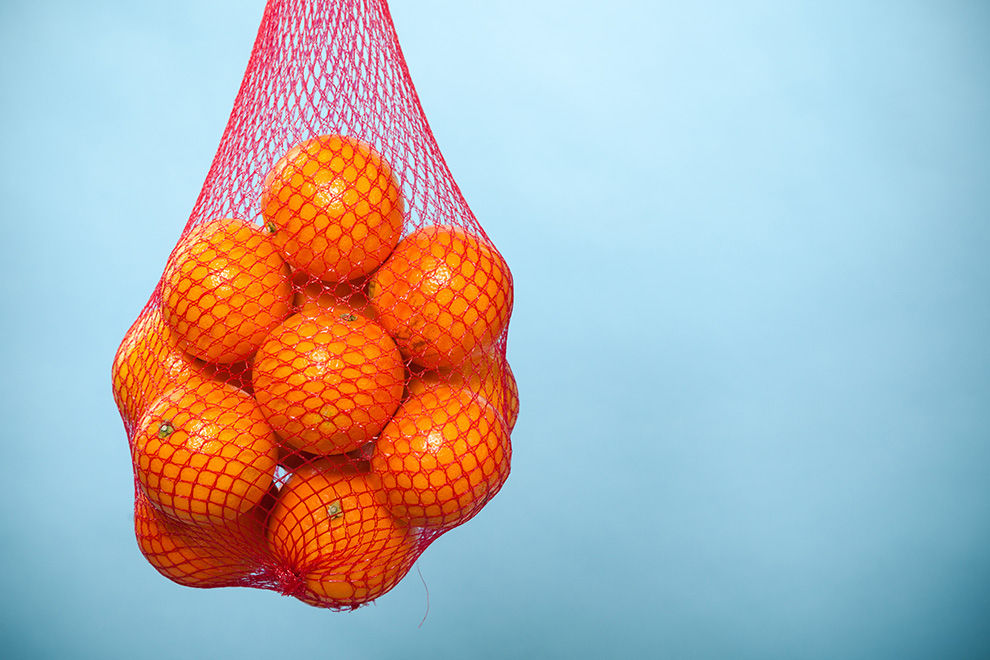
x=338 y=520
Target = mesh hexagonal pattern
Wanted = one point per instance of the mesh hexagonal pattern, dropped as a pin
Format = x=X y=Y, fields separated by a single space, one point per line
x=317 y=388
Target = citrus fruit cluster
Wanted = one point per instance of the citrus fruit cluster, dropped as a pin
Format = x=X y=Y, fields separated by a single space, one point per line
x=313 y=398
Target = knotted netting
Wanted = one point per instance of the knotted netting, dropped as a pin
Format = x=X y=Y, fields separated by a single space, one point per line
x=317 y=388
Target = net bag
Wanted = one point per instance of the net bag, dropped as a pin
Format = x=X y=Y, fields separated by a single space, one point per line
x=317 y=388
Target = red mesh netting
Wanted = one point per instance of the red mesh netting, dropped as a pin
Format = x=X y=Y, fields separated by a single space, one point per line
x=317 y=388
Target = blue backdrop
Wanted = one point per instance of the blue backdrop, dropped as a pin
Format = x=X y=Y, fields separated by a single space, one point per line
x=750 y=246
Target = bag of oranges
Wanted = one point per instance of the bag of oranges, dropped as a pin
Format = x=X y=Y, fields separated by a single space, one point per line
x=317 y=388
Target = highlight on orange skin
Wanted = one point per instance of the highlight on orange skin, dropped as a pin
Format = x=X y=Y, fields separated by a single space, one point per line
x=203 y=453
x=445 y=453
x=224 y=288
x=328 y=382
x=333 y=207
x=442 y=294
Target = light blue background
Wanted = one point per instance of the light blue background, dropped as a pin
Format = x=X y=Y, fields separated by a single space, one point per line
x=751 y=334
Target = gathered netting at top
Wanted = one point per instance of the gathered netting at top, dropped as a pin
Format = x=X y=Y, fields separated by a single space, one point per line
x=329 y=67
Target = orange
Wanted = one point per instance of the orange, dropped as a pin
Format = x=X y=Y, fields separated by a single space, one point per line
x=484 y=373
x=333 y=207
x=198 y=556
x=146 y=365
x=318 y=295
x=328 y=382
x=445 y=453
x=442 y=294
x=203 y=453
x=332 y=532
x=225 y=287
